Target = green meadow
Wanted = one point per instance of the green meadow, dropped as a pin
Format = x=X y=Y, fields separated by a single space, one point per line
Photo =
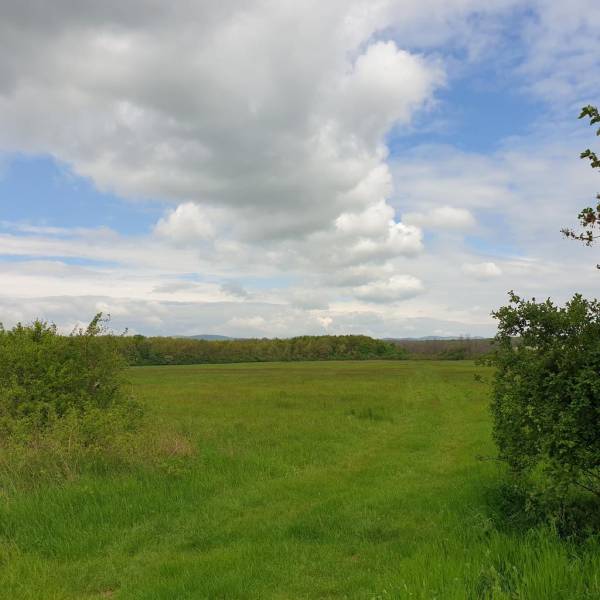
x=294 y=481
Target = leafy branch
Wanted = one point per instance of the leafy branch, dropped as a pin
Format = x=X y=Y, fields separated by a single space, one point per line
x=589 y=217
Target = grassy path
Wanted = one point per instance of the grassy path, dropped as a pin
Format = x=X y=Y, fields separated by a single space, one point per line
x=308 y=480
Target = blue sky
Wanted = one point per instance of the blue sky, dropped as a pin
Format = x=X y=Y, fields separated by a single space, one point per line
x=386 y=168
x=40 y=190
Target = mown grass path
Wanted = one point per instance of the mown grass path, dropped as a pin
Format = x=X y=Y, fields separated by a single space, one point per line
x=308 y=480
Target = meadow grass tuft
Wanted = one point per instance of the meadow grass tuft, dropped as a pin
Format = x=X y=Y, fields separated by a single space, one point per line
x=292 y=481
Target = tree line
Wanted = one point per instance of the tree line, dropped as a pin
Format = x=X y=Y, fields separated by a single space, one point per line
x=459 y=349
x=139 y=350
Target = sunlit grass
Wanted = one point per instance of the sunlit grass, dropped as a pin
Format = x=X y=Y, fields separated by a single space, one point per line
x=305 y=480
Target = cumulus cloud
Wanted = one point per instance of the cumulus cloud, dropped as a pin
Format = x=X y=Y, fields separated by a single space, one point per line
x=264 y=123
x=385 y=87
x=185 y=225
x=374 y=220
x=275 y=109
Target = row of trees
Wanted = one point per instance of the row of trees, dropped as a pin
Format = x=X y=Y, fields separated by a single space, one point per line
x=139 y=350
x=459 y=349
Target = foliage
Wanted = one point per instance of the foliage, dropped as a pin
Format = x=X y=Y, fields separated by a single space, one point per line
x=458 y=349
x=64 y=411
x=458 y=353
x=546 y=399
x=140 y=350
x=45 y=376
x=589 y=217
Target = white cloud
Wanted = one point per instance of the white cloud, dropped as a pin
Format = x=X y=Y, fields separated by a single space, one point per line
x=244 y=323
x=359 y=275
x=374 y=220
x=188 y=224
x=385 y=86
x=442 y=217
x=469 y=180
x=523 y=196
x=325 y=321
x=307 y=299
x=397 y=240
x=399 y=287
x=264 y=123
x=562 y=66
x=484 y=270
x=276 y=110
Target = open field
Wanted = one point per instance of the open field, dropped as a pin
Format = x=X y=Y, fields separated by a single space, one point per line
x=307 y=480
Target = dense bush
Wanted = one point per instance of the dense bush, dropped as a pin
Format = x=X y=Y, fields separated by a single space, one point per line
x=44 y=376
x=64 y=410
x=140 y=350
x=546 y=400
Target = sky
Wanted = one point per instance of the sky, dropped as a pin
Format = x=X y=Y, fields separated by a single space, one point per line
x=274 y=168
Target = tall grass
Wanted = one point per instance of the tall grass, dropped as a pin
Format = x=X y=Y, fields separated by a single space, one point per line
x=303 y=480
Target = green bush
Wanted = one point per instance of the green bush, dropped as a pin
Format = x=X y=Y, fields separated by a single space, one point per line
x=459 y=353
x=64 y=411
x=45 y=376
x=546 y=399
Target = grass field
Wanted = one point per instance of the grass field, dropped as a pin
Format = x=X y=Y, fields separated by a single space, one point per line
x=306 y=480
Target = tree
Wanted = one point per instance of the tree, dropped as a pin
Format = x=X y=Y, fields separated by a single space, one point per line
x=546 y=398
x=589 y=218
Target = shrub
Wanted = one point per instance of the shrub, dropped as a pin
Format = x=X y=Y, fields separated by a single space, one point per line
x=64 y=411
x=546 y=398
x=45 y=376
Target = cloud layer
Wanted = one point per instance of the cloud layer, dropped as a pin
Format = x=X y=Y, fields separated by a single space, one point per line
x=264 y=129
